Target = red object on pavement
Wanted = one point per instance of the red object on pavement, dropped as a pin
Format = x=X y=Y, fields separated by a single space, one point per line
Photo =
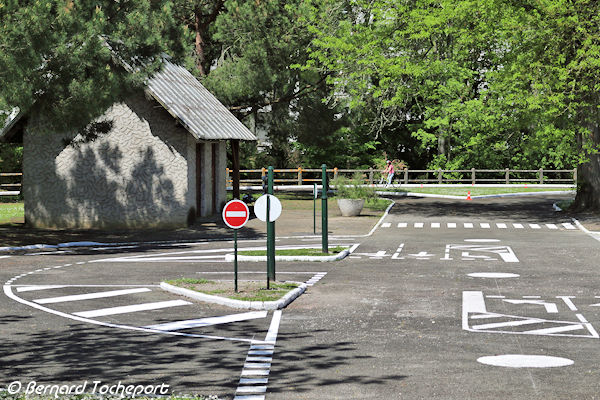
x=236 y=214
x=469 y=196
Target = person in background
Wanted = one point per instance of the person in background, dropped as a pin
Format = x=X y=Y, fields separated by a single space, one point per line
x=389 y=169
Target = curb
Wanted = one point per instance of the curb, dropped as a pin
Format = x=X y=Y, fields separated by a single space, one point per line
x=335 y=257
x=239 y=304
x=585 y=230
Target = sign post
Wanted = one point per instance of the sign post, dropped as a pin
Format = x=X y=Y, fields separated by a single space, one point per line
x=315 y=195
x=324 y=228
x=268 y=208
x=235 y=215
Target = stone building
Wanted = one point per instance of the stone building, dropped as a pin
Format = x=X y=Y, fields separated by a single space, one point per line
x=161 y=164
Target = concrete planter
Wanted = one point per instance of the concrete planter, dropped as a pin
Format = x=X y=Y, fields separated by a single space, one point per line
x=350 y=207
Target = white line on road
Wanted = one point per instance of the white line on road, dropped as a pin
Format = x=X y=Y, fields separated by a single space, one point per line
x=40 y=287
x=568 y=302
x=484 y=225
x=518 y=226
x=534 y=226
x=418 y=224
x=195 y=323
x=435 y=224
x=402 y=224
x=468 y=225
x=452 y=225
x=133 y=308
x=386 y=224
x=551 y=226
x=88 y=296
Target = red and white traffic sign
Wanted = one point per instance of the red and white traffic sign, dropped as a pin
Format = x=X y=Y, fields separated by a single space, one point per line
x=236 y=214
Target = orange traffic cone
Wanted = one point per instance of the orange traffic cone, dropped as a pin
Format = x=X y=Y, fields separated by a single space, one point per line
x=469 y=196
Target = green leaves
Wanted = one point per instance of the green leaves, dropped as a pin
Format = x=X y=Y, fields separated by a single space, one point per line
x=55 y=62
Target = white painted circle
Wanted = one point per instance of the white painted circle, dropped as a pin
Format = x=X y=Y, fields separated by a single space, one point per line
x=482 y=240
x=260 y=208
x=525 y=361
x=495 y=275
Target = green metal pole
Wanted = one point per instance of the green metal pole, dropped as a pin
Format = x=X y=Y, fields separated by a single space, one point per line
x=314 y=208
x=324 y=240
x=270 y=231
x=235 y=264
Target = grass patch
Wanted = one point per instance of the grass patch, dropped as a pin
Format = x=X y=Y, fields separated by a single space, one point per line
x=11 y=213
x=247 y=290
x=294 y=252
x=475 y=191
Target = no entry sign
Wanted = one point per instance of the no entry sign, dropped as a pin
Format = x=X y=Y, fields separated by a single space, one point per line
x=236 y=214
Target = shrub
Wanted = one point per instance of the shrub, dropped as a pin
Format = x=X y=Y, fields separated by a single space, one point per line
x=354 y=188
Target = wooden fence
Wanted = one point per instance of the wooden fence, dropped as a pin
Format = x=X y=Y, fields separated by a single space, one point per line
x=302 y=176
x=10 y=183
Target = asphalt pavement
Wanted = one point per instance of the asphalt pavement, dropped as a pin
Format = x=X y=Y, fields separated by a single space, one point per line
x=493 y=298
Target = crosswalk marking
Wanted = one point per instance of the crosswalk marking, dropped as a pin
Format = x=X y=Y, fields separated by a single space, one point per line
x=483 y=225
x=88 y=296
x=133 y=308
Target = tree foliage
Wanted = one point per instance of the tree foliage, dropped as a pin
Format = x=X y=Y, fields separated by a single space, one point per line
x=486 y=83
x=65 y=59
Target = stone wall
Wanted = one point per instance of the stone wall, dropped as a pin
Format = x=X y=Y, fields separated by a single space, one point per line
x=140 y=174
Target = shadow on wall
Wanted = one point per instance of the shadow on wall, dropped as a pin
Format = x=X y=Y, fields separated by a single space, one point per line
x=132 y=177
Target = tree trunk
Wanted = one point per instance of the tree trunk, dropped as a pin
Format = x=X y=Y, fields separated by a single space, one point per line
x=588 y=178
x=199 y=44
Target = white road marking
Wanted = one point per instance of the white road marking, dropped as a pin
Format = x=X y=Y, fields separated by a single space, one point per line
x=40 y=287
x=88 y=296
x=474 y=307
x=133 y=308
x=534 y=226
x=484 y=225
x=255 y=372
x=386 y=224
x=468 y=225
x=551 y=226
x=257 y=365
x=251 y=389
x=550 y=307
x=581 y=318
x=568 y=225
x=518 y=226
x=568 y=302
x=482 y=240
x=451 y=225
x=419 y=224
x=402 y=225
x=493 y=275
x=5 y=256
x=525 y=361
x=273 y=329
x=253 y=381
x=249 y=397
x=501 y=225
x=202 y=322
x=435 y=224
